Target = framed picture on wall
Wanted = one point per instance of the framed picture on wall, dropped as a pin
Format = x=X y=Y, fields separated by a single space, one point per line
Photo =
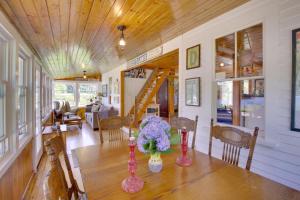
x=295 y=118
x=104 y=90
x=192 y=91
x=193 y=55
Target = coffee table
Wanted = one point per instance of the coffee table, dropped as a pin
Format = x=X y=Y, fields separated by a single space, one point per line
x=73 y=120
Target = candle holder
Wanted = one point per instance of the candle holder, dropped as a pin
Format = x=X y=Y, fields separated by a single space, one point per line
x=184 y=160
x=132 y=183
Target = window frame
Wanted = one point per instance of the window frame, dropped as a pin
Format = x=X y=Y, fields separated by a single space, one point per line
x=25 y=87
x=236 y=75
x=4 y=81
x=76 y=91
x=86 y=83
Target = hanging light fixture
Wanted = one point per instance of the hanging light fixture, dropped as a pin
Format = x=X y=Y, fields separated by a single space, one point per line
x=122 y=41
x=84 y=75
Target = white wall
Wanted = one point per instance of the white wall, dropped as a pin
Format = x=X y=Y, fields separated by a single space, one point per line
x=132 y=87
x=115 y=74
x=277 y=155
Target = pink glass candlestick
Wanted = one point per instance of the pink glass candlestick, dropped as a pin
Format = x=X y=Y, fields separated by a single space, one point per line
x=184 y=160
x=132 y=183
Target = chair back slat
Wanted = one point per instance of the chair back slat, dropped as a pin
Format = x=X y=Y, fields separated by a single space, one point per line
x=191 y=126
x=115 y=135
x=56 y=144
x=55 y=185
x=234 y=139
x=112 y=126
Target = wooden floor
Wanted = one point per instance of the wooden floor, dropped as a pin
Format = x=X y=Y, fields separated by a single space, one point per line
x=76 y=138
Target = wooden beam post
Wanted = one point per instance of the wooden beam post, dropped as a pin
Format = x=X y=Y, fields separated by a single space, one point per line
x=236 y=103
x=122 y=96
x=171 y=95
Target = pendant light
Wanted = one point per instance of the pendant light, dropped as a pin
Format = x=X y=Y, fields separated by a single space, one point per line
x=122 y=41
x=84 y=75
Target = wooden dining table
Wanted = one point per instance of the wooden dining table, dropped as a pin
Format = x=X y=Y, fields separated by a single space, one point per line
x=103 y=167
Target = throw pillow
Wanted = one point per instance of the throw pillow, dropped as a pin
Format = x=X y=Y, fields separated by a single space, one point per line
x=95 y=108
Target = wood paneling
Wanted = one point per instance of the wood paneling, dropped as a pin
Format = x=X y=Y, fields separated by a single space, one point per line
x=72 y=36
x=13 y=183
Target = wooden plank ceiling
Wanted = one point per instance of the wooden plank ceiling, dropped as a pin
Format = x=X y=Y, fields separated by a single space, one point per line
x=75 y=35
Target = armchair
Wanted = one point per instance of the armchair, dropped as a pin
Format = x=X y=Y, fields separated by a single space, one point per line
x=68 y=110
x=58 y=111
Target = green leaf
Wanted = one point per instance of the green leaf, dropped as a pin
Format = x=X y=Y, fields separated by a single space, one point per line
x=146 y=146
x=143 y=125
x=136 y=134
x=152 y=146
x=170 y=150
x=175 y=139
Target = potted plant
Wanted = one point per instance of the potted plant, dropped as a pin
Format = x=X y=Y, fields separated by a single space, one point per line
x=155 y=137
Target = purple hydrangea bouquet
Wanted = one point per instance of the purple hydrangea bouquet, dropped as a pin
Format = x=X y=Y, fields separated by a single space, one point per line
x=155 y=137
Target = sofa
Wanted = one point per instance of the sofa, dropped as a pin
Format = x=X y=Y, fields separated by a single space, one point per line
x=95 y=112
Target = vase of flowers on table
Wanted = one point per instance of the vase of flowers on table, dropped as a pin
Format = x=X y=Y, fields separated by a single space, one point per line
x=155 y=138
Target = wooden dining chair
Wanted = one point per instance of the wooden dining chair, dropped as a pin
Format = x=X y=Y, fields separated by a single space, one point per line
x=233 y=140
x=191 y=126
x=113 y=127
x=55 y=185
x=56 y=144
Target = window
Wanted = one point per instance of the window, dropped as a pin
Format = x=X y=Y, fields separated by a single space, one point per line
x=37 y=102
x=87 y=92
x=3 y=85
x=5 y=137
x=240 y=80
x=21 y=72
x=76 y=93
x=46 y=94
x=37 y=139
x=225 y=55
x=65 y=92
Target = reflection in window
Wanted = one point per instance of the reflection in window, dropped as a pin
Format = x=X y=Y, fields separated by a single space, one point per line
x=250 y=57
x=224 y=102
x=252 y=106
x=225 y=54
x=250 y=103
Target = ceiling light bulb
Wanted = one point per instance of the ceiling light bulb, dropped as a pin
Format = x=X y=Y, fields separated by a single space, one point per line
x=222 y=64
x=84 y=75
x=122 y=42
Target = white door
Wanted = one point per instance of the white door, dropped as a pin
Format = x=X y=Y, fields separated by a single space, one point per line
x=38 y=148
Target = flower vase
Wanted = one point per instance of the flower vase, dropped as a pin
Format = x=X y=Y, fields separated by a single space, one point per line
x=155 y=163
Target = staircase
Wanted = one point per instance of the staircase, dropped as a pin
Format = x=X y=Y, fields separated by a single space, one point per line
x=146 y=94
